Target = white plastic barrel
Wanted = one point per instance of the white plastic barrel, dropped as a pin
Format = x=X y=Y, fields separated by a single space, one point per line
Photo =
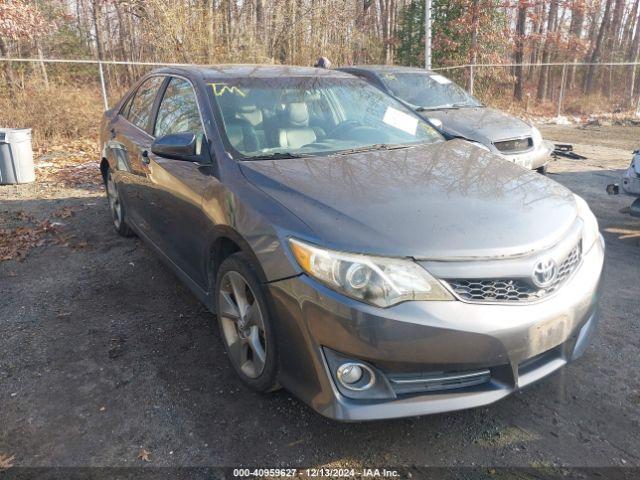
x=16 y=156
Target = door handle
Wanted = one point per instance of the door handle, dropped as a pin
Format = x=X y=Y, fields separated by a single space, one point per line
x=144 y=157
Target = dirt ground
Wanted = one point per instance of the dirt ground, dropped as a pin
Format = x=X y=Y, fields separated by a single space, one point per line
x=103 y=352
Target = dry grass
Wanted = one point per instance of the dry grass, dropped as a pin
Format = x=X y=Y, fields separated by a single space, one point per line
x=595 y=104
x=57 y=114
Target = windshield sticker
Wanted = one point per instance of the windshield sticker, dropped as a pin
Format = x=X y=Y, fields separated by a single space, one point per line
x=400 y=120
x=220 y=89
x=440 y=79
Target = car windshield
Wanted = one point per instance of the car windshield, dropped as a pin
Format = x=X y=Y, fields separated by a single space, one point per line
x=303 y=116
x=428 y=90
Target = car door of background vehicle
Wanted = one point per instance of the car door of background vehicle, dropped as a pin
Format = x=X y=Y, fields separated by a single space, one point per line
x=130 y=139
x=178 y=224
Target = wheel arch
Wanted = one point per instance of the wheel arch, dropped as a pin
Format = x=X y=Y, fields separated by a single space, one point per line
x=226 y=242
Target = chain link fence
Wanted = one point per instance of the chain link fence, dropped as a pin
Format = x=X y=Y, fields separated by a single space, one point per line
x=61 y=99
x=552 y=90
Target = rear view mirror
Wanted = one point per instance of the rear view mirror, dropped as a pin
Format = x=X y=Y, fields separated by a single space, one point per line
x=179 y=146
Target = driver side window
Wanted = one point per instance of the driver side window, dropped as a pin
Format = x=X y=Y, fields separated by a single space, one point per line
x=178 y=111
x=138 y=111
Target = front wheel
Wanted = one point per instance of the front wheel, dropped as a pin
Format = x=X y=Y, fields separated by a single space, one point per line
x=245 y=324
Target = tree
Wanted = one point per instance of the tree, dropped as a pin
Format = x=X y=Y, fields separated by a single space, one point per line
x=633 y=55
x=543 y=81
x=589 y=82
x=519 y=51
x=18 y=20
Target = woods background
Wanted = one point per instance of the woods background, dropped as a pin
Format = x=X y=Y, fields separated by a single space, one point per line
x=55 y=98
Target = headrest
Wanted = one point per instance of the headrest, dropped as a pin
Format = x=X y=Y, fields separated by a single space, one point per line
x=298 y=114
x=250 y=113
x=247 y=108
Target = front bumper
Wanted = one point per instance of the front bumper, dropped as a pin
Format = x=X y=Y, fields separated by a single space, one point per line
x=532 y=159
x=517 y=344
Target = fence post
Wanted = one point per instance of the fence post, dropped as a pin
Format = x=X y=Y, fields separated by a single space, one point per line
x=562 y=82
x=104 y=88
x=471 y=72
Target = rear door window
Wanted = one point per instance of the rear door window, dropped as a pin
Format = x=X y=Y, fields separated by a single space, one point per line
x=178 y=111
x=142 y=102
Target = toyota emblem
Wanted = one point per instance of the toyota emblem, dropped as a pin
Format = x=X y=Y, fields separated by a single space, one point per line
x=545 y=272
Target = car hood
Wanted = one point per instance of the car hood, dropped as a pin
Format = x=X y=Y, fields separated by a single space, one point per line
x=441 y=201
x=482 y=124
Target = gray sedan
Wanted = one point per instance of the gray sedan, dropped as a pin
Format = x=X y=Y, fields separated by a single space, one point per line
x=349 y=253
x=459 y=114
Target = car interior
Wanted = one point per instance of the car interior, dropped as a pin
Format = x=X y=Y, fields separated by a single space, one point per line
x=255 y=123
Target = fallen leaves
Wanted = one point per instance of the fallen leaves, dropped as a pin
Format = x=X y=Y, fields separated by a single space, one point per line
x=6 y=462
x=16 y=242
x=65 y=212
x=144 y=455
x=72 y=164
x=21 y=232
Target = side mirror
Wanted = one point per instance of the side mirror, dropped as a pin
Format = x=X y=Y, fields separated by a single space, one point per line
x=436 y=122
x=179 y=146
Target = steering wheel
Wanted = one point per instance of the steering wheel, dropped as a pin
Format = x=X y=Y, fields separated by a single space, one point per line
x=342 y=127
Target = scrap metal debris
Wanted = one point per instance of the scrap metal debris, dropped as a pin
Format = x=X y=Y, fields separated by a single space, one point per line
x=631 y=177
x=566 y=150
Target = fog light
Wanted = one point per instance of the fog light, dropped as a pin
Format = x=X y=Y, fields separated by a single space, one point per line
x=349 y=373
x=355 y=376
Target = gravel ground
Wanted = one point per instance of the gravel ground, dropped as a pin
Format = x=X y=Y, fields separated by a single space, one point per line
x=103 y=352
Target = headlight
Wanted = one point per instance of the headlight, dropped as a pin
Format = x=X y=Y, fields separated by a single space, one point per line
x=590 y=231
x=536 y=136
x=380 y=281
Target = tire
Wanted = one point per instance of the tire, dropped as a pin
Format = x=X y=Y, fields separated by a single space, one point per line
x=249 y=339
x=118 y=214
x=542 y=170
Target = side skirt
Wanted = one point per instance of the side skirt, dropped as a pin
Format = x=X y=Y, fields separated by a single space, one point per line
x=201 y=294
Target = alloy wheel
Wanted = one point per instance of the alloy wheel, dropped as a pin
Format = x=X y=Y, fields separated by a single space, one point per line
x=242 y=324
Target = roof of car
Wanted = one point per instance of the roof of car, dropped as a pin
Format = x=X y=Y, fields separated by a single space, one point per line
x=256 y=71
x=387 y=68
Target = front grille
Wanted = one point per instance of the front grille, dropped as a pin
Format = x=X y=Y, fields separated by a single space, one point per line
x=514 y=145
x=511 y=290
x=408 y=383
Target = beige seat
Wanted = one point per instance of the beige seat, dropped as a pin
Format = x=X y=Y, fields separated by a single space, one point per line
x=253 y=116
x=297 y=133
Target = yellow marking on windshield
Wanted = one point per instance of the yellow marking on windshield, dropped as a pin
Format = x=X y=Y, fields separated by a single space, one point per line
x=220 y=89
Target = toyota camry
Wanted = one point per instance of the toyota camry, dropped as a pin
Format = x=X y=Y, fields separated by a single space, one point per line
x=348 y=252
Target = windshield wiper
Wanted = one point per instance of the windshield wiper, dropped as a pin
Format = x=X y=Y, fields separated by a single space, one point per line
x=448 y=106
x=426 y=109
x=375 y=146
x=277 y=156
